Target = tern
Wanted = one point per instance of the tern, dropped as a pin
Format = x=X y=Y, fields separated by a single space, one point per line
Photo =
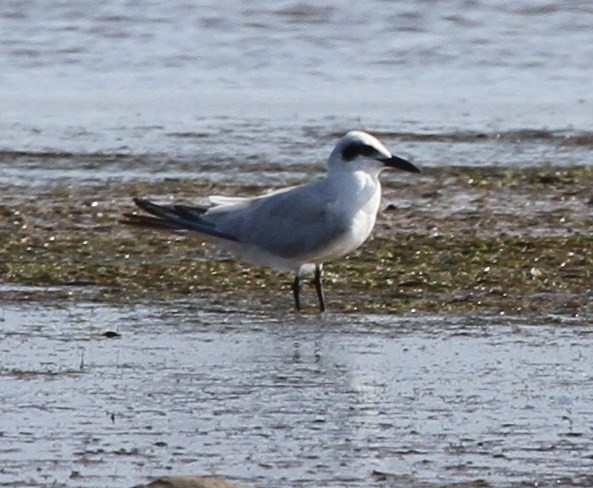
x=295 y=229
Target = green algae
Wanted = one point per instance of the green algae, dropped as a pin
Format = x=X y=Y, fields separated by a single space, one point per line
x=490 y=259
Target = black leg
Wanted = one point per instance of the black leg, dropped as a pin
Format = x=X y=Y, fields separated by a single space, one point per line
x=296 y=291
x=319 y=287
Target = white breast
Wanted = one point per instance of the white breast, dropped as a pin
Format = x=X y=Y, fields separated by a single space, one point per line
x=357 y=199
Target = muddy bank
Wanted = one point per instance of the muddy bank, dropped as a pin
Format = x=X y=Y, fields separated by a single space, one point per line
x=453 y=240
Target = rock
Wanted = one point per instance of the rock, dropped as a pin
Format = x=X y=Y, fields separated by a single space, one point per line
x=191 y=482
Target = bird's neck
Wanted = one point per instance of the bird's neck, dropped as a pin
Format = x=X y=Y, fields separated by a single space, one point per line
x=356 y=186
x=362 y=178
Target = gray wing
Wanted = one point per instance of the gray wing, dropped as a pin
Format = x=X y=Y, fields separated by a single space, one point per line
x=175 y=217
x=288 y=223
x=291 y=223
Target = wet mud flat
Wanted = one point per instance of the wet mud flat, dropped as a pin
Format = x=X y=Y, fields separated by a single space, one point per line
x=455 y=350
x=454 y=240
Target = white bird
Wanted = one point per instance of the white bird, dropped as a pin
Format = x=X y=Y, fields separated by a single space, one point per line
x=298 y=228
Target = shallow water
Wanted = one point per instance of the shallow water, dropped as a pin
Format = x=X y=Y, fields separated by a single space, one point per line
x=287 y=400
x=214 y=89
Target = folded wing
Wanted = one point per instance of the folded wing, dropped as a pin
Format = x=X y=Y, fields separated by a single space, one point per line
x=175 y=217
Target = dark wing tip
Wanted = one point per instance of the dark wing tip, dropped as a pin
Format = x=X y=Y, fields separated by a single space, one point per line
x=147 y=222
x=179 y=217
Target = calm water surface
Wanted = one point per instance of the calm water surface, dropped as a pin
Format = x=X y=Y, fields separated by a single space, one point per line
x=230 y=84
x=285 y=400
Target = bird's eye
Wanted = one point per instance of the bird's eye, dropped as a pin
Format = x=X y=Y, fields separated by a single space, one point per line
x=355 y=149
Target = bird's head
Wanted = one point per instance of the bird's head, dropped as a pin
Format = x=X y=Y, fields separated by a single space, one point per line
x=359 y=150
